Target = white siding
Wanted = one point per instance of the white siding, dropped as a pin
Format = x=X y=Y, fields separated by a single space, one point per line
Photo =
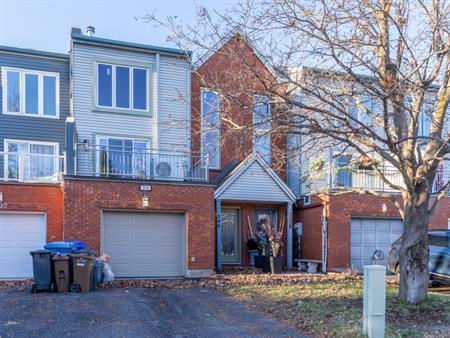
x=174 y=84
x=255 y=184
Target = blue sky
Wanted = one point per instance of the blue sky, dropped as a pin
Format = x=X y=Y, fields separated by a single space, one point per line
x=45 y=24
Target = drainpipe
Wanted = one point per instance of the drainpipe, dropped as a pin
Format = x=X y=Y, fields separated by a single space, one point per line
x=219 y=233
x=324 y=238
x=289 y=235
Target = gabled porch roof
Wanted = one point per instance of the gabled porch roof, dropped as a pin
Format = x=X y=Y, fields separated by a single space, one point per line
x=254 y=180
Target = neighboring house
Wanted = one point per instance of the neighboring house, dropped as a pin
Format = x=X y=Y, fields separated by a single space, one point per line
x=134 y=189
x=339 y=225
x=34 y=104
x=245 y=164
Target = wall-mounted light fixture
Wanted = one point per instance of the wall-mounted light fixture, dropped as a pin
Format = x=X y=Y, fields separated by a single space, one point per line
x=86 y=144
x=145 y=200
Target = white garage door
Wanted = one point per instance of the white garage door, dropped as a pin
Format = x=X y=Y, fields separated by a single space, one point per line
x=19 y=234
x=369 y=235
x=144 y=244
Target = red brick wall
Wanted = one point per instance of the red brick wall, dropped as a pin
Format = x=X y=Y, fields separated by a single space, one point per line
x=226 y=72
x=85 y=199
x=37 y=198
x=311 y=218
x=340 y=209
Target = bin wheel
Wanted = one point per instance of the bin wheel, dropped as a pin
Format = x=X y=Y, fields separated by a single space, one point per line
x=33 y=288
x=74 y=287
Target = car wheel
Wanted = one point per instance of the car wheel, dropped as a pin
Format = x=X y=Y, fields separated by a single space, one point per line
x=397 y=274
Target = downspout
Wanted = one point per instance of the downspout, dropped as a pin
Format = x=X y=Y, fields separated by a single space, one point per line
x=157 y=104
x=324 y=238
x=219 y=233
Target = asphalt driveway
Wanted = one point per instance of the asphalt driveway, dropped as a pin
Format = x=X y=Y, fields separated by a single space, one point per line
x=133 y=313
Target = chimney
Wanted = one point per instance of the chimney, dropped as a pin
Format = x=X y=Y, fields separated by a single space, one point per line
x=90 y=30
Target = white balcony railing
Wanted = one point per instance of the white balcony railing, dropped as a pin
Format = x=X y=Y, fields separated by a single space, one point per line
x=132 y=163
x=342 y=178
x=31 y=168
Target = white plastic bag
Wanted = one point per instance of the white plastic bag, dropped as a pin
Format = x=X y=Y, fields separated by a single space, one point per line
x=108 y=275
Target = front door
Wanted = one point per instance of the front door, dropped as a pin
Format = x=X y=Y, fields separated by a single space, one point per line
x=231 y=245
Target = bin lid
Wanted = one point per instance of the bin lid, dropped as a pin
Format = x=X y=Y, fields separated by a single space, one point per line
x=60 y=257
x=38 y=252
x=58 y=245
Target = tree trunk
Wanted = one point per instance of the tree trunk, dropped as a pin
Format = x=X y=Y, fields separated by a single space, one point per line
x=414 y=274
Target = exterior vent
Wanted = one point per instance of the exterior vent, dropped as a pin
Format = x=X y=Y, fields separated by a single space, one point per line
x=90 y=30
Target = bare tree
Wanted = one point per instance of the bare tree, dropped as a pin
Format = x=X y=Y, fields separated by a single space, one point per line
x=331 y=57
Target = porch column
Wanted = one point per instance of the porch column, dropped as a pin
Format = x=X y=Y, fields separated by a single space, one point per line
x=289 y=235
x=219 y=233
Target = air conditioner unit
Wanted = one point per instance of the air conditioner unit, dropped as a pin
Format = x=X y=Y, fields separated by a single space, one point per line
x=163 y=169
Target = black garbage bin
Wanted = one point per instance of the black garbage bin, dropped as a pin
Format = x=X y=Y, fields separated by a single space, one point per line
x=42 y=271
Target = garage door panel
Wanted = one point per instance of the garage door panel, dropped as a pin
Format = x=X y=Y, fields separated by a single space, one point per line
x=20 y=233
x=144 y=244
x=369 y=235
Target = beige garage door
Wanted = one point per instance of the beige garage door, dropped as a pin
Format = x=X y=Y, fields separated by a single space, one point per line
x=144 y=244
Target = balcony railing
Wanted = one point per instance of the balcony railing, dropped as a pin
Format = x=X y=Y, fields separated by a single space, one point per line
x=342 y=178
x=31 y=168
x=133 y=163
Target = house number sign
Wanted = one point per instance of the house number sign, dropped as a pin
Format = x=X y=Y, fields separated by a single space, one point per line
x=145 y=187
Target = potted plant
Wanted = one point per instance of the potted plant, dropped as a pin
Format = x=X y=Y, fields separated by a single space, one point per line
x=262 y=260
x=276 y=259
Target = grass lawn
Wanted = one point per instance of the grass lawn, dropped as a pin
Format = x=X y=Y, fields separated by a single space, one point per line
x=334 y=309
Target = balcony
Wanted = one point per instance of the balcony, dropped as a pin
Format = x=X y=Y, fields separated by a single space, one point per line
x=125 y=162
x=341 y=178
x=31 y=168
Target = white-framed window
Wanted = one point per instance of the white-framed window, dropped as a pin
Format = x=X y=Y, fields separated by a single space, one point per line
x=118 y=156
x=210 y=124
x=262 y=123
x=31 y=161
x=30 y=92
x=122 y=87
x=307 y=200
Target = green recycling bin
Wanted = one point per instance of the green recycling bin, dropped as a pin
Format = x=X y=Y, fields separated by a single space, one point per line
x=82 y=266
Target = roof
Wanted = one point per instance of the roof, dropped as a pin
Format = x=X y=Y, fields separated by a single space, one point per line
x=79 y=37
x=34 y=52
x=254 y=179
x=231 y=34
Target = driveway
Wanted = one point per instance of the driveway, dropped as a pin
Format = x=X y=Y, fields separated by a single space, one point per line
x=133 y=313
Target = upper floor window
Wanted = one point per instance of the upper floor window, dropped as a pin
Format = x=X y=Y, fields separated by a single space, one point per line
x=425 y=115
x=31 y=161
x=262 y=123
x=210 y=135
x=30 y=93
x=122 y=87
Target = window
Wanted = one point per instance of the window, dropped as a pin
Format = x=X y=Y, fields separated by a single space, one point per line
x=262 y=138
x=266 y=218
x=343 y=174
x=30 y=93
x=307 y=200
x=121 y=87
x=31 y=161
x=424 y=118
x=438 y=241
x=210 y=137
x=122 y=157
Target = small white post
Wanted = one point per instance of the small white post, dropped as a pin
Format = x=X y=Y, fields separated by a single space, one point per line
x=374 y=303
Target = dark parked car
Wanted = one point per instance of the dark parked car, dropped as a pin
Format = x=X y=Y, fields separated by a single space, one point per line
x=439 y=260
